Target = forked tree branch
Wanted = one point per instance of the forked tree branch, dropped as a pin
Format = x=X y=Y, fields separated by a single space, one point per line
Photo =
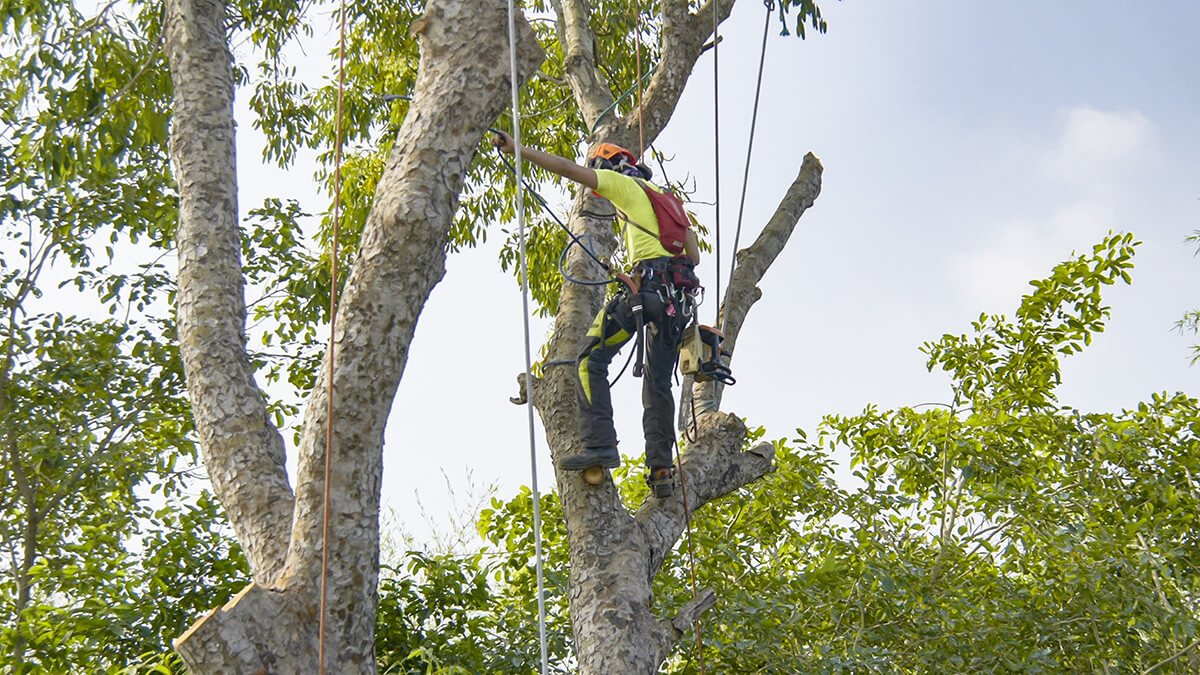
x=461 y=89
x=242 y=450
x=683 y=38
x=754 y=261
x=715 y=464
x=712 y=467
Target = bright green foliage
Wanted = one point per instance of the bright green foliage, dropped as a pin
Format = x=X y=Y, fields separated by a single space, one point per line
x=85 y=110
x=108 y=548
x=1000 y=533
x=1190 y=323
x=471 y=613
x=105 y=556
x=433 y=612
x=506 y=529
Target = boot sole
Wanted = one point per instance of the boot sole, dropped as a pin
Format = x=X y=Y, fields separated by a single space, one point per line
x=604 y=464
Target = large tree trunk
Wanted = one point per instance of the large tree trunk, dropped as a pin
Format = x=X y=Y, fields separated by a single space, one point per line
x=271 y=626
x=615 y=554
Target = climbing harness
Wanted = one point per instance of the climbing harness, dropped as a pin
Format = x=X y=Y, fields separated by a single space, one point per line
x=537 y=501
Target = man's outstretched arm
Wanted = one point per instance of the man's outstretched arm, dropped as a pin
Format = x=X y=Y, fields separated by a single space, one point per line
x=559 y=165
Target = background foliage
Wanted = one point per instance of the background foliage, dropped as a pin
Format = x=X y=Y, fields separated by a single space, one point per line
x=110 y=546
x=1000 y=532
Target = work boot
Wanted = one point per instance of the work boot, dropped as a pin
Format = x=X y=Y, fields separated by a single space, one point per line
x=605 y=458
x=661 y=482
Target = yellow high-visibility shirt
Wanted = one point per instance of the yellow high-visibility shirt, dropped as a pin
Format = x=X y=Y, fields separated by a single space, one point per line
x=631 y=201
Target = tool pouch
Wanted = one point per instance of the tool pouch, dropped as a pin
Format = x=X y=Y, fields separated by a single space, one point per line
x=681 y=273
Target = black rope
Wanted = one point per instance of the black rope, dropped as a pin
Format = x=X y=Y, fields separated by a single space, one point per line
x=717 y=156
x=538 y=197
x=562 y=265
x=628 y=360
x=573 y=362
x=770 y=5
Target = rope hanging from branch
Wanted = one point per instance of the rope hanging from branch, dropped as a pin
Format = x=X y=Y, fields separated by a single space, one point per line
x=537 y=501
x=762 y=57
x=717 y=155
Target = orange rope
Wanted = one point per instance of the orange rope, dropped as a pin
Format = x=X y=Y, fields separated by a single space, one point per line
x=333 y=289
x=687 y=518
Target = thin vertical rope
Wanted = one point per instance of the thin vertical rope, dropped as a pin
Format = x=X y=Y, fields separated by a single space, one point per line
x=717 y=155
x=537 y=500
x=637 y=30
x=687 y=519
x=333 y=289
x=770 y=5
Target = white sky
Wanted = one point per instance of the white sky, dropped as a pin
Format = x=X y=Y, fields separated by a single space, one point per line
x=968 y=147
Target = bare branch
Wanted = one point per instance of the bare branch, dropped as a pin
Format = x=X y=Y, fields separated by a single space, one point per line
x=1181 y=653
x=753 y=262
x=691 y=611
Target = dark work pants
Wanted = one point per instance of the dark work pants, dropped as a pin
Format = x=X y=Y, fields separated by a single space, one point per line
x=612 y=329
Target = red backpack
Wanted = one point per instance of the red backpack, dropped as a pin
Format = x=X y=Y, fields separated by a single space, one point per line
x=672 y=220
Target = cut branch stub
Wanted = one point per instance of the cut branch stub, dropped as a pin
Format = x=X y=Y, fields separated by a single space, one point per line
x=752 y=264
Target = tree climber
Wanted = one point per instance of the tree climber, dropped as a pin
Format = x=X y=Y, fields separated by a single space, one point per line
x=660 y=300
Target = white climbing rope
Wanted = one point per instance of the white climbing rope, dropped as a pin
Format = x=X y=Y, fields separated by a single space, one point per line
x=537 y=501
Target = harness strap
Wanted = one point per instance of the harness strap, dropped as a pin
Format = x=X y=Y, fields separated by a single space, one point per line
x=643 y=229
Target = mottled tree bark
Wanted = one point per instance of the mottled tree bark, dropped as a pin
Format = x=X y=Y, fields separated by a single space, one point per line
x=615 y=554
x=271 y=626
x=241 y=449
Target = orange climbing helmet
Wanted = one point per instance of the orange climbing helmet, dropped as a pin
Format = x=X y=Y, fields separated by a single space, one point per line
x=615 y=158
